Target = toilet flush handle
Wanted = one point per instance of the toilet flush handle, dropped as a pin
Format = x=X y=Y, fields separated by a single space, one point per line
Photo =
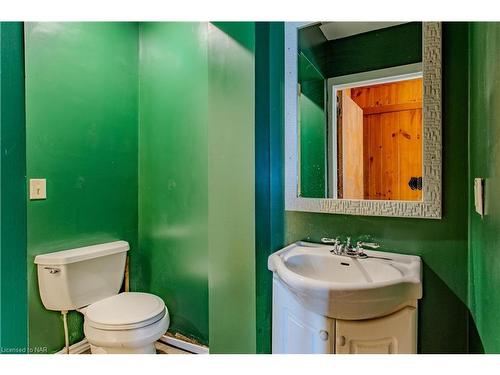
x=52 y=270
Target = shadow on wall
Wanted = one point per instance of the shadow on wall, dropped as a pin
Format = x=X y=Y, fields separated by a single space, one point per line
x=236 y=31
x=475 y=343
x=443 y=318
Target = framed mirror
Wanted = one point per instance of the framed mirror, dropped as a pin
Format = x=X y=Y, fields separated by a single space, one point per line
x=363 y=118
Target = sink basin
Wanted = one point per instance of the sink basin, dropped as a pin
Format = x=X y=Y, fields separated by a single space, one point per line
x=341 y=287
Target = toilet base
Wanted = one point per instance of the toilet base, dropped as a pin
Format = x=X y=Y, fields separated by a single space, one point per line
x=128 y=341
x=147 y=349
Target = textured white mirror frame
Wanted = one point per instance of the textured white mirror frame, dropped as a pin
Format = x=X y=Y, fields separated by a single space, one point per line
x=430 y=205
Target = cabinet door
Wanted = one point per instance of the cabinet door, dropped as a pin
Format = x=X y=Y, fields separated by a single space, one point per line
x=392 y=334
x=297 y=330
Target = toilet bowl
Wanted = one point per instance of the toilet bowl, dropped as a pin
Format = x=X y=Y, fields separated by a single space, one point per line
x=125 y=323
x=88 y=279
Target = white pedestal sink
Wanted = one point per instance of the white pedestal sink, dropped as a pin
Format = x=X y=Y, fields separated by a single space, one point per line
x=332 y=288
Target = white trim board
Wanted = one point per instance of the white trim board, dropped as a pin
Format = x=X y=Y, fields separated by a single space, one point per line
x=77 y=348
x=372 y=77
x=83 y=346
x=184 y=345
x=338 y=30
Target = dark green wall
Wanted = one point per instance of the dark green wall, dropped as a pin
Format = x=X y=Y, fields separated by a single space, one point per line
x=312 y=145
x=13 y=291
x=311 y=42
x=401 y=44
x=312 y=122
x=269 y=176
x=442 y=244
x=379 y=49
x=81 y=125
x=172 y=260
x=484 y=159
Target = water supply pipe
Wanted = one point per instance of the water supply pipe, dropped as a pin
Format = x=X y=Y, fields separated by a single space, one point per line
x=66 y=333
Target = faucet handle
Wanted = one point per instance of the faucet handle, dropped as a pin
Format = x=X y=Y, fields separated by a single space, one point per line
x=329 y=241
x=369 y=245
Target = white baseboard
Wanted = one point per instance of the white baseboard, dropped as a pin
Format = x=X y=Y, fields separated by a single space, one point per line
x=184 y=345
x=77 y=348
x=83 y=346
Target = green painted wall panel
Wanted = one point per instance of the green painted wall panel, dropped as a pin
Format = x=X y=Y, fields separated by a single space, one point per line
x=81 y=120
x=269 y=176
x=401 y=44
x=173 y=177
x=312 y=120
x=484 y=162
x=13 y=290
x=262 y=184
x=307 y=71
x=231 y=187
x=312 y=148
x=442 y=244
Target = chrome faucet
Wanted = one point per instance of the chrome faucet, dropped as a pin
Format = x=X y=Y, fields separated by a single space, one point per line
x=347 y=249
x=335 y=242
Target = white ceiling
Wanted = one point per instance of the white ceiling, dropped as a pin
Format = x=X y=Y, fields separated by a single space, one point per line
x=337 y=30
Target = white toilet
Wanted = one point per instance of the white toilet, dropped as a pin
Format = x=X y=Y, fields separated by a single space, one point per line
x=88 y=279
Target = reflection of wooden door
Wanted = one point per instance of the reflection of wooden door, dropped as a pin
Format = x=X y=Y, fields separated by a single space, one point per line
x=352 y=149
x=392 y=116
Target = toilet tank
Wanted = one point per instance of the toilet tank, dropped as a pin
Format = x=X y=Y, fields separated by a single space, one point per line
x=75 y=278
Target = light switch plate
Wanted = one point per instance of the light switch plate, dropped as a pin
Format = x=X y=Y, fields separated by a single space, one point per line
x=479 y=195
x=38 y=188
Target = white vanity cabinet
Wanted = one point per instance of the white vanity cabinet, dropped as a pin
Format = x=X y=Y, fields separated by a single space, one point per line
x=332 y=303
x=297 y=330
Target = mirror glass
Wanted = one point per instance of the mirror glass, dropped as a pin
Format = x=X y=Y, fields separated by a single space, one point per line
x=359 y=110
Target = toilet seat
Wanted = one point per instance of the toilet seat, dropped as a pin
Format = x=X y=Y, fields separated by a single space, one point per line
x=129 y=341
x=125 y=311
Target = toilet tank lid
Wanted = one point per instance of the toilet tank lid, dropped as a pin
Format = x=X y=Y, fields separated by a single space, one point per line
x=82 y=253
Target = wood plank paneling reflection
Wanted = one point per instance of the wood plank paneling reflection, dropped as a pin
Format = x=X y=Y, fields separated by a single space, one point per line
x=392 y=127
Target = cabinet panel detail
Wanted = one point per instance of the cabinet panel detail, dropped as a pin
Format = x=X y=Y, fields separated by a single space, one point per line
x=392 y=334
